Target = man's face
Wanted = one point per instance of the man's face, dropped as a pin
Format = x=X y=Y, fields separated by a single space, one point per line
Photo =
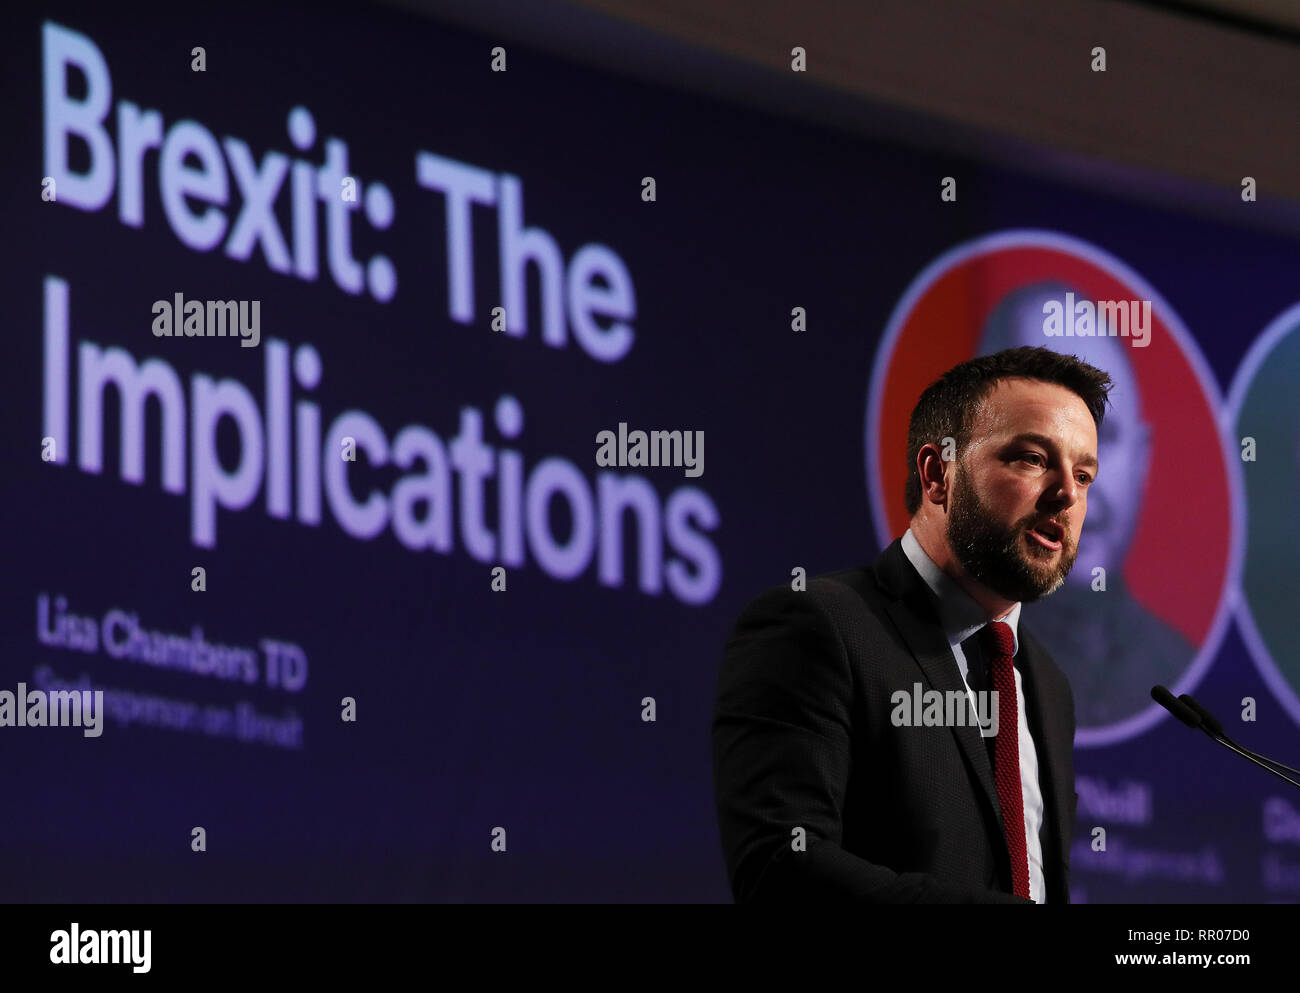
x=1124 y=443
x=1020 y=489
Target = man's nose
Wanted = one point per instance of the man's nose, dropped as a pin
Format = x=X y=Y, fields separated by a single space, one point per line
x=1064 y=492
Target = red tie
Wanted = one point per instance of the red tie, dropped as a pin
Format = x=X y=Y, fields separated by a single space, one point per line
x=1001 y=642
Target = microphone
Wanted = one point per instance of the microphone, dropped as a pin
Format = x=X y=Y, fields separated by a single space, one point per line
x=1193 y=719
x=1176 y=707
x=1209 y=721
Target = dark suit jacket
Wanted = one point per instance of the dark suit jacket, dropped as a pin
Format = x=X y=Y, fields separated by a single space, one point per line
x=802 y=737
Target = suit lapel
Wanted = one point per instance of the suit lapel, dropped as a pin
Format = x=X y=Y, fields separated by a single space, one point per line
x=1052 y=750
x=916 y=617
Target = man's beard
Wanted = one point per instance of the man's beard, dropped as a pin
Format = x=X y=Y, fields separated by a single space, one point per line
x=1000 y=557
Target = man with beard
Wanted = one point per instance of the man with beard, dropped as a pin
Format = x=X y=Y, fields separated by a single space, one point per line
x=1111 y=646
x=826 y=788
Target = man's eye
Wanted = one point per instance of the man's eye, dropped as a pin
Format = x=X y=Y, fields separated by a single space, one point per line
x=1032 y=457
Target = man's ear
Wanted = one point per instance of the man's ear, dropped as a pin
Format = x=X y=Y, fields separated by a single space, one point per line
x=932 y=469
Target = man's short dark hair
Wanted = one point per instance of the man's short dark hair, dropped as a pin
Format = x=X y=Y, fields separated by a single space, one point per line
x=947 y=407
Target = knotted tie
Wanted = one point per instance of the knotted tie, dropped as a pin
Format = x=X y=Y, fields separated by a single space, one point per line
x=999 y=641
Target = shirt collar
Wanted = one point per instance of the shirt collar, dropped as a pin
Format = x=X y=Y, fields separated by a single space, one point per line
x=960 y=616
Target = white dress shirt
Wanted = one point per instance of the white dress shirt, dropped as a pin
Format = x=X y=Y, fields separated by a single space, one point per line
x=962 y=617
